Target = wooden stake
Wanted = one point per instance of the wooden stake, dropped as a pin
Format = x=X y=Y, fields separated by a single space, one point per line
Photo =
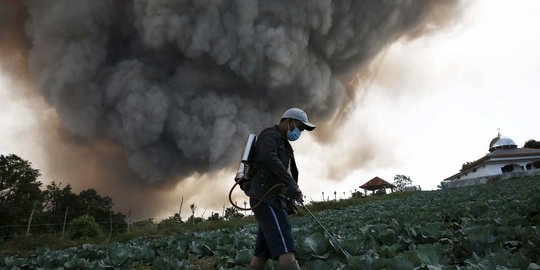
x=30 y=220
x=193 y=214
x=180 y=210
x=65 y=219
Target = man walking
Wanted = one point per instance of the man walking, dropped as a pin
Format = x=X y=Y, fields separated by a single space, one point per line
x=274 y=164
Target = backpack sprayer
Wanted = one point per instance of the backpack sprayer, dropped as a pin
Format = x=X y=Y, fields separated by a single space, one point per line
x=244 y=166
x=244 y=170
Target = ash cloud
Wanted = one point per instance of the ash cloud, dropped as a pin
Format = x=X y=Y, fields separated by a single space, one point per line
x=177 y=85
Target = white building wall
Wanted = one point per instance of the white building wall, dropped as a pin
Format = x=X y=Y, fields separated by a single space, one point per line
x=482 y=170
x=493 y=167
x=522 y=166
x=485 y=170
x=473 y=173
x=483 y=180
x=496 y=168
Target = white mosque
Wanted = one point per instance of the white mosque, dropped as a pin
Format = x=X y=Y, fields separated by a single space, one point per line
x=504 y=160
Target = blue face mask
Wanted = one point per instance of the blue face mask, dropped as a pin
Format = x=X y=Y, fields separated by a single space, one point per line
x=293 y=135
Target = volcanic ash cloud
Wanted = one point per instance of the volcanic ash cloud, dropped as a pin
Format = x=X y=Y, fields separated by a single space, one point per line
x=177 y=85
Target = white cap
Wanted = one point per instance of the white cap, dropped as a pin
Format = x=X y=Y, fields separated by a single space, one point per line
x=297 y=114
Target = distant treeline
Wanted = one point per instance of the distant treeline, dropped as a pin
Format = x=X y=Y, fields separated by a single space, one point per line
x=22 y=198
x=52 y=208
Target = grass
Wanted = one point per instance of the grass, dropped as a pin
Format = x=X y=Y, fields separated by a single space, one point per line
x=342 y=204
x=23 y=245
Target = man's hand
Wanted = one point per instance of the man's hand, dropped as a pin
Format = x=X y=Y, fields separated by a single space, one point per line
x=293 y=192
x=292 y=209
x=299 y=196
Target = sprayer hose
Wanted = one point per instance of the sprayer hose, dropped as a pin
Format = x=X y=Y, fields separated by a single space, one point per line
x=256 y=205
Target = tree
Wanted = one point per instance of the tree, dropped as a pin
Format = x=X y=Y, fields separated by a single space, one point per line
x=89 y=202
x=401 y=181
x=24 y=193
x=57 y=199
x=232 y=212
x=532 y=144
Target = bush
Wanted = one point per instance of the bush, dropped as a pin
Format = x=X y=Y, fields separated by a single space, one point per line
x=170 y=222
x=84 y=227
x=214 y=217
x=232 y=213
x=197 y=220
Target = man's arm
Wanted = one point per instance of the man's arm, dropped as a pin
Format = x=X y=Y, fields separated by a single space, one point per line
x=268 y=148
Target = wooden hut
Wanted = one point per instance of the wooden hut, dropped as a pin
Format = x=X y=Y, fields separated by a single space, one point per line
x=377 y=184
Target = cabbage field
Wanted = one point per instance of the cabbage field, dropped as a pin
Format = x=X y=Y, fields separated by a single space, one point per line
x=491 y=226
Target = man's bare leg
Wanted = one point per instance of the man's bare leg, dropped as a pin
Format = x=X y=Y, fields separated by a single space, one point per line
x=257 y=263
x=288 y=261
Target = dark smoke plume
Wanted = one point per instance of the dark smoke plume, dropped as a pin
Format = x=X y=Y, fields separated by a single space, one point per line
x=174 y=86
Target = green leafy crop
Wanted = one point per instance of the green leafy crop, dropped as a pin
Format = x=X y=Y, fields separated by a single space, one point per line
x=491 y=226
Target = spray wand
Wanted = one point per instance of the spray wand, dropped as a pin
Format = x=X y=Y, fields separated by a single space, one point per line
x=347 y=255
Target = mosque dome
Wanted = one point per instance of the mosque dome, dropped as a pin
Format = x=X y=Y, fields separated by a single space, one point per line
x=501 y=142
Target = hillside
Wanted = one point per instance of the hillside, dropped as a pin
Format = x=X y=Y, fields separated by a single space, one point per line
x=480 y=227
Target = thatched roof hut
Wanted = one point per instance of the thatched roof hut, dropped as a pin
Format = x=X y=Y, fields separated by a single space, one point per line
x=377 y=183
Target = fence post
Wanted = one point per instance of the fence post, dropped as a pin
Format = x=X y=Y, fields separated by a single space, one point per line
x=193 y=214
x=65 y=219
x=180 y=210
x=30 y=220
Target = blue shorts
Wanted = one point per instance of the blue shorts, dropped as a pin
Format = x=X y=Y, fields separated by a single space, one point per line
x=274 y=237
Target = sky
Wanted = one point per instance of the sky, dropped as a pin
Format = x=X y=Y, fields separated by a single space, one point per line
x=437 y=102
x=434 y=103
x=482 y=78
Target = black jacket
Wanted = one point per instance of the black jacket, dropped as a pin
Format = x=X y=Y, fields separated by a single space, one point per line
x=273 y=153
